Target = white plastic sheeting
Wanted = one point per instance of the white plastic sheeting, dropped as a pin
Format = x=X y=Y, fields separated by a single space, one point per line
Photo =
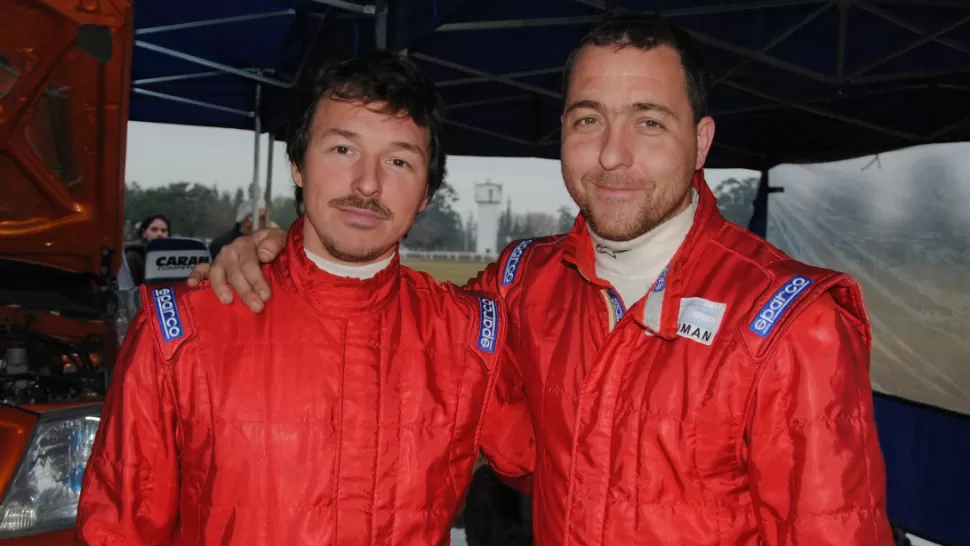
x=900 y=224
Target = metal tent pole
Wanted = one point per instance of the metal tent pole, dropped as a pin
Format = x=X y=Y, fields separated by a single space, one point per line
x=269 y=177
x=380 y=25
x=759 y=218
x=258 y=130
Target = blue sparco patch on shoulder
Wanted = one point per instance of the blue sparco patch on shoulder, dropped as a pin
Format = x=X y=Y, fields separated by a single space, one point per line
x=488 y=325
x=166 y=308
x=512 y=265
x=771 y=313
x=661 y=283
x=618 y=308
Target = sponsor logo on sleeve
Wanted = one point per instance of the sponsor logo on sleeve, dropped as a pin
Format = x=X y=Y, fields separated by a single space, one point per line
x=771 y=313
x=700 y=319
x=488 y=325
x=617 y=303
x=168 y=313
x=512 y=265
x=661 y=281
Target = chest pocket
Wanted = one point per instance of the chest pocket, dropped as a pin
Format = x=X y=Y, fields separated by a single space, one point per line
x=719 y=425
x=690 y=426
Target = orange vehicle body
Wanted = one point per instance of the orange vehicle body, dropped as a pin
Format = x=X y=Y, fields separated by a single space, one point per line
x=64 y=86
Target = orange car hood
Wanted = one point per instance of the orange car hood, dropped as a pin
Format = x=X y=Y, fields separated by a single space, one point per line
x=64 y=84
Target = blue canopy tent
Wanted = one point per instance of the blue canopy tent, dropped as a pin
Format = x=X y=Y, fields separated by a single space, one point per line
x=796 y=81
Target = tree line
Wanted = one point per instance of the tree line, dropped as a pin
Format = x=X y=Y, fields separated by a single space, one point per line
x=203 y=212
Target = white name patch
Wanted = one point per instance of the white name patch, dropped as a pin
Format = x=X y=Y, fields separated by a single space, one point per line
x=700 y=319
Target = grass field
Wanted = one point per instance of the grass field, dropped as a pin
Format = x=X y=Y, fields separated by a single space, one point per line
x=455 y=271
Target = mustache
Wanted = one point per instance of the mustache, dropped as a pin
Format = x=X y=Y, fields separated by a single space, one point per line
x=358 y=202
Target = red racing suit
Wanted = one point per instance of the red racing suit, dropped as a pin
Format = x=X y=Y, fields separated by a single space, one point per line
x=730 y=406
x=347 y=412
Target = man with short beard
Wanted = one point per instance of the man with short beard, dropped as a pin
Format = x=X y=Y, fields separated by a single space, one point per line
x=350 y=412
x=689 y=383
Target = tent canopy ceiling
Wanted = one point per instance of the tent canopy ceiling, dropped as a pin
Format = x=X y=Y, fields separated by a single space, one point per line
x=795 y=80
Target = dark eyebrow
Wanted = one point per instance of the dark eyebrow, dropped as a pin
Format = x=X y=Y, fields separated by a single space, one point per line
x=351 y=135
x=409 y=147
x=653 y=107
x=585 y=103
x=637 y=107
x=342 y=132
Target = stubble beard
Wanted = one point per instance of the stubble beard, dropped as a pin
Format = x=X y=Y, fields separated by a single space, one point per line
x=346 y=253
x=601 y=214
x=354 y=256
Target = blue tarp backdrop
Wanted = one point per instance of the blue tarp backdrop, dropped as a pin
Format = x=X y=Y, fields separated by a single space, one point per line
x=796 y=81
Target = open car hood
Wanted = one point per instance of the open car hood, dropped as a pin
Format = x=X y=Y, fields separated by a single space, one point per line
x=64 y=83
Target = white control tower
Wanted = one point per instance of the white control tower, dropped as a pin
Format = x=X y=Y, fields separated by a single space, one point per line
x=488 y=195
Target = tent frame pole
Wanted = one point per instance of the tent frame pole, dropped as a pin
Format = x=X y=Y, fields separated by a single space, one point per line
x=380 y=25
x=211 y=22
x=257 y=77
x=257 y=130
x=193 y=102
x=268 y=195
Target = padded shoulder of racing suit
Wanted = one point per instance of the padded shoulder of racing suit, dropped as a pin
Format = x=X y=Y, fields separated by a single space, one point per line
x=484 y=311
x=170 y=316
x=515 y=257
x=790 y=288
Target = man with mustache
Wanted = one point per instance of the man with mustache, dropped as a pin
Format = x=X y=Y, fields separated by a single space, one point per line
x=689 y=383
x=350 y=411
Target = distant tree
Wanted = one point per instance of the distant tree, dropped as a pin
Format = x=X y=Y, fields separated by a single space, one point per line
x=195 y=210
x=506 y=225
x=536 y=224
x=566 y=219
x=237 y=200
x=438 y=226
x=469 y=234
x=735 y=198
x=283 y=211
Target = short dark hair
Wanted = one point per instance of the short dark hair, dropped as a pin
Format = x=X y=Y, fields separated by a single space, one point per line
x=378 y=77
x=647 y=32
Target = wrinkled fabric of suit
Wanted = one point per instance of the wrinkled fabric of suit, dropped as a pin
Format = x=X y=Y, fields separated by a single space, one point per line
x=348 y=412
x=729 y=407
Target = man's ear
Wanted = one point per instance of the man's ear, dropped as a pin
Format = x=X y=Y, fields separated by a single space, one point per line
x=297 y=175
x=705 y=136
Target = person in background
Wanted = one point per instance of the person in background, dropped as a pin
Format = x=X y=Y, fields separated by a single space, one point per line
x=153 y=227
x=243 y=226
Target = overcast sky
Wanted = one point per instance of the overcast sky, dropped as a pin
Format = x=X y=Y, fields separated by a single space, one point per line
x=159 y=154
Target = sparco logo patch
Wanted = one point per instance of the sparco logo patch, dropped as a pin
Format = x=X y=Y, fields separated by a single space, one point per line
x=661 y=281
x=769 y=315
x=168 y=313
x=512 y=266
x=617 y=304
x=488 y=328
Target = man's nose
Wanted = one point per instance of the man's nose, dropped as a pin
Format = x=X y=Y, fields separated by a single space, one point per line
x=615 y=152
x=367 y=181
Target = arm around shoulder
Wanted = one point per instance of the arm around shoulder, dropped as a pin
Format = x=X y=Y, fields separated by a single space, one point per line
x=815 y=466
x=508 y=438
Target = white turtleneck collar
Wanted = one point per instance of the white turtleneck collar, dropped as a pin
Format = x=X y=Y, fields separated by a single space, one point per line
x=348 y=271
x=633 y=266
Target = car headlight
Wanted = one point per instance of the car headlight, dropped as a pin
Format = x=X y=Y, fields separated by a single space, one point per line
x=44 y=493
